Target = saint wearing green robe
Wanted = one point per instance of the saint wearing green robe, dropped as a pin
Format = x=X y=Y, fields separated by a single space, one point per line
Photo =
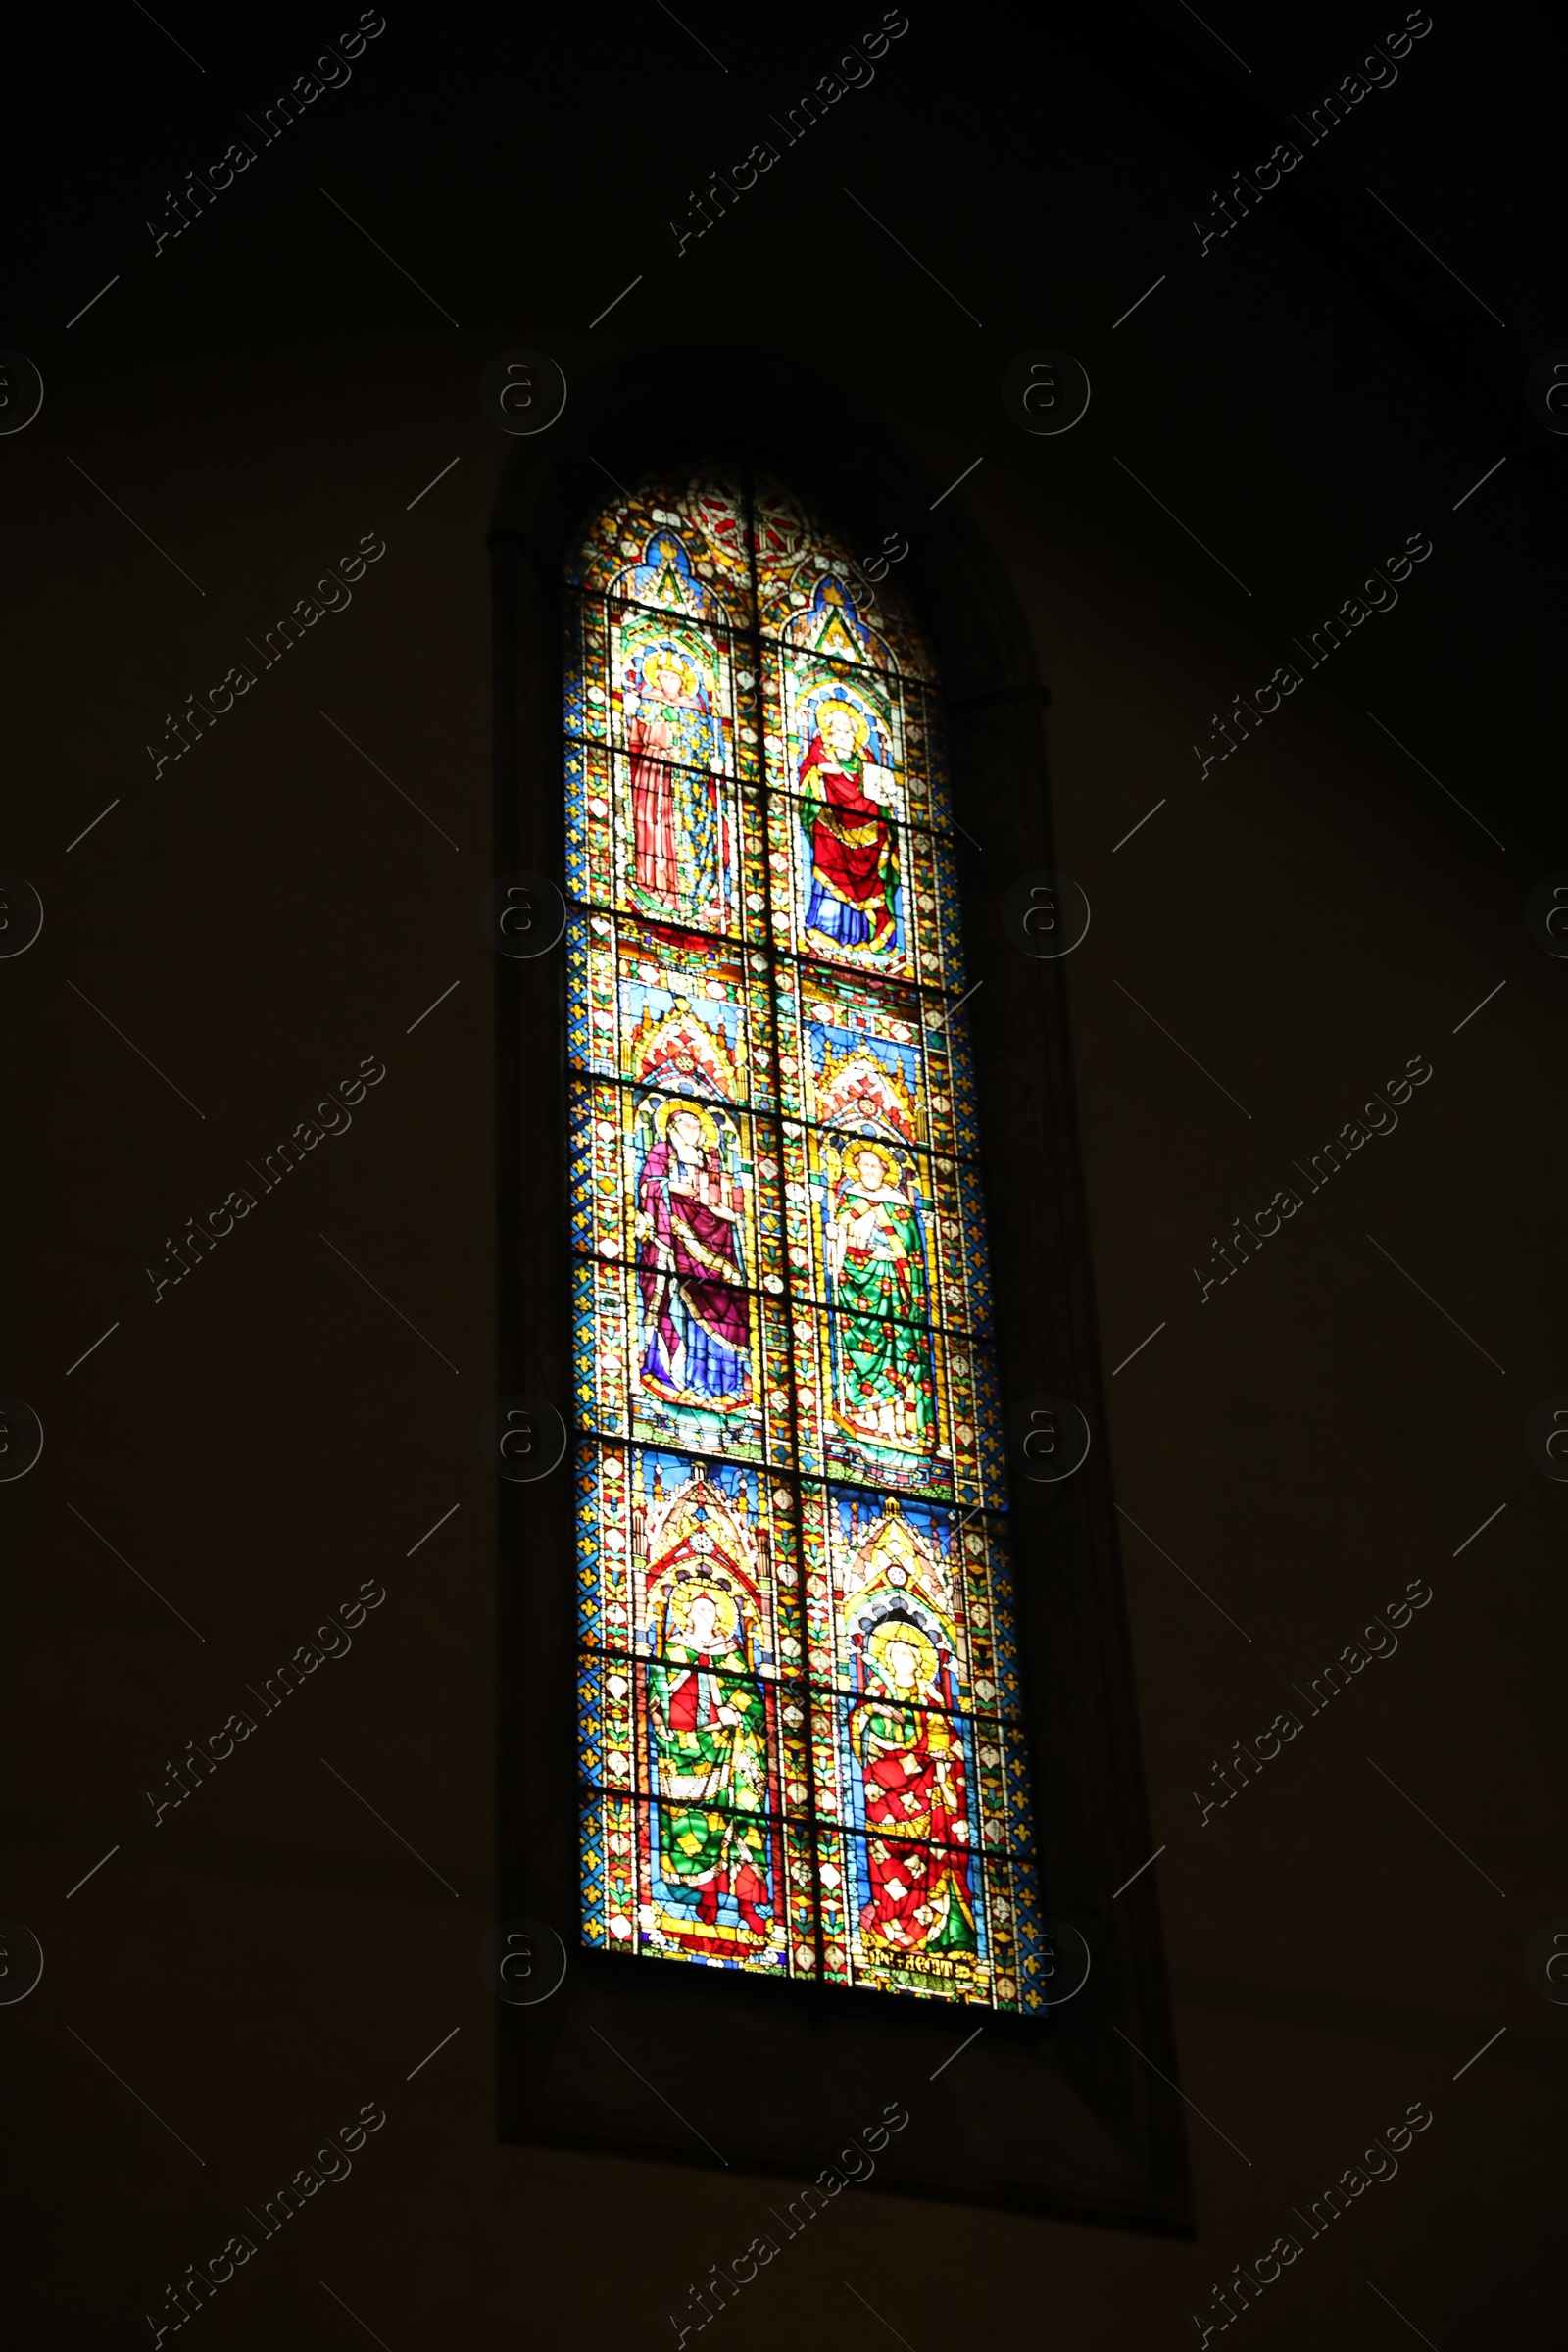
x=882 y=1381
x=708 y=1732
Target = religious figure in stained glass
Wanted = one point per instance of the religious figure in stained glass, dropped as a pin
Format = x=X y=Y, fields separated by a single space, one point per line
x=690 y=1270
x=678 y=826
x=708 y=1742
x=800 y=1718
x=854 y=901
x=882 y=1386
x=915 y=1799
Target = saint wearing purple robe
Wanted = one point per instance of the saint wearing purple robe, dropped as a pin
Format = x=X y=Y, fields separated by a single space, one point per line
x=689 y=1268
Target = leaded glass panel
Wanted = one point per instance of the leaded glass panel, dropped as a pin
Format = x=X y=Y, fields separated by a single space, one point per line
x=800 y=1741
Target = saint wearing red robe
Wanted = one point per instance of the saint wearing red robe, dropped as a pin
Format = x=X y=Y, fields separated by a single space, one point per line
x=915 y=1798
x=855 y=850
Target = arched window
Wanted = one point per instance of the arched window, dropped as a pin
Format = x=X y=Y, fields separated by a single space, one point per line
x=774 y=1769
x=800 y=1718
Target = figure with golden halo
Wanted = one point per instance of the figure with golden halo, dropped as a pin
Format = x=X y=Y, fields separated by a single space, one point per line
x=690 y=1270
x=914 y=1787
x=853 y=905
x=882 y=1380
x=710 y=1742
x=674 y=747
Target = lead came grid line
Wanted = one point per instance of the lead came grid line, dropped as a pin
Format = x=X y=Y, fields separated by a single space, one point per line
x=680 y=724
x=743 y=807
x=801 y=1595
x=778 y=1818
x=610 y=1115
x=628 y=966
x=810 y=1299
x=958 y=1367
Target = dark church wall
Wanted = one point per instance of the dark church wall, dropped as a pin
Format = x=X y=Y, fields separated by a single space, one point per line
x=268 y=395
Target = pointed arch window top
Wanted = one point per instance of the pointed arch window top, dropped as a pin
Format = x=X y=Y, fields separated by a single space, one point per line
x=802 y=1751
x=692 y=550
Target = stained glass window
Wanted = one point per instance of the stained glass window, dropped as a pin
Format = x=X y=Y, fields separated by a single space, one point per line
x=802 y=1747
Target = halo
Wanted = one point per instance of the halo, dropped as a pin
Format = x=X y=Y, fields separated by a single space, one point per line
x=663 y=655
x=853 y=1149
x=858 y=718
x=726 y=1608
x=904 y=1630
x=668 y=1109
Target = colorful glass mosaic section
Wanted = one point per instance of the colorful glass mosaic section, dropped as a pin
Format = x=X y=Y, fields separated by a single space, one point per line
x=865 y=1554
x=901 y=1404
x=812 y=593
x=801 y=1745
x=814 y=707
x=666 y=1006
x=633 y=1149
x=656 y=834
x=660 y=686
x=675 y=546
x=647 y=1514
x=854 y=1053
x=684 y=1355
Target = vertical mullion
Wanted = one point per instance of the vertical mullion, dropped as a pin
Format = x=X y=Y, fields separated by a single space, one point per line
x=593 y=1801
x=770 y=950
